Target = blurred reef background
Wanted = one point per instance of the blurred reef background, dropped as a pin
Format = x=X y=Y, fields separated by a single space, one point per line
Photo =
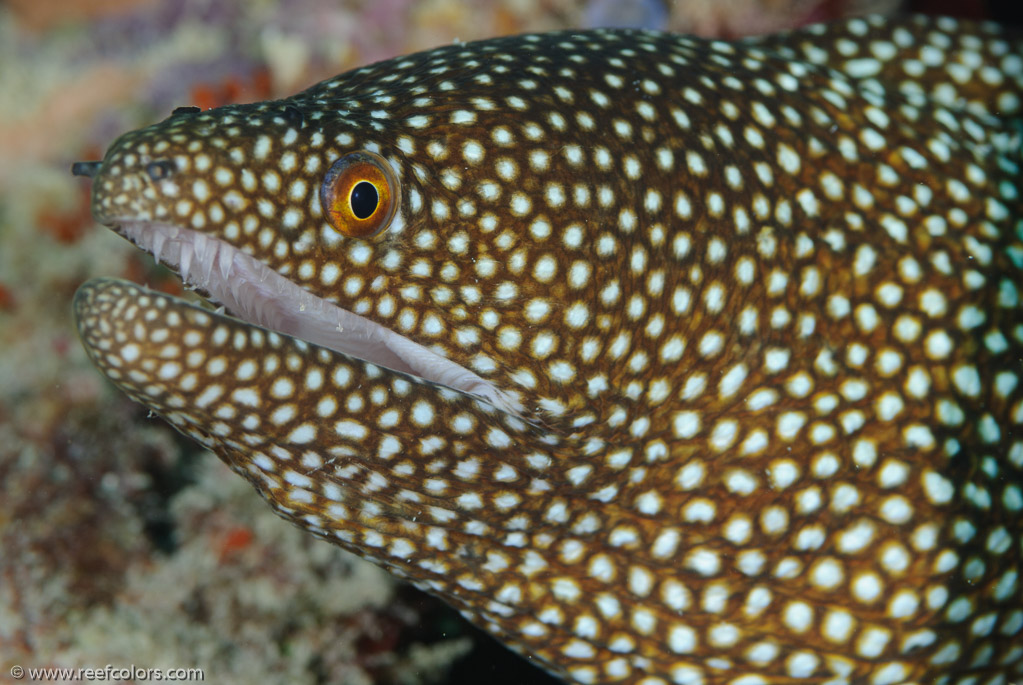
x=121 y=542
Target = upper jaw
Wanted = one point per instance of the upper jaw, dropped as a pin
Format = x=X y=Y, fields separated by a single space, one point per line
x=255 y=293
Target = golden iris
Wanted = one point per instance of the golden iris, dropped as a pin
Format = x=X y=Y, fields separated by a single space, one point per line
x=359 y=194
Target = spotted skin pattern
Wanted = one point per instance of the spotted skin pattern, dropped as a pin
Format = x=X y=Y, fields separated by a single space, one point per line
x=757 y=303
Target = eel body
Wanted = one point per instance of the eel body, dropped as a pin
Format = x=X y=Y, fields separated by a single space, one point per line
x=664 y=360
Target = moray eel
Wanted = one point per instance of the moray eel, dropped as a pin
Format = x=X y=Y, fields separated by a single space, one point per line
x=664 y=360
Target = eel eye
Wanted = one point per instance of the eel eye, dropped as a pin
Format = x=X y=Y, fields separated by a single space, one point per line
x=359 y=195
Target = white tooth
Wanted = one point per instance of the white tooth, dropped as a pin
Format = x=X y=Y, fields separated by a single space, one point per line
x=159 y=239
x=225 y=258
x=209 y=259
x=258 y=315
x=234 y=285
x=186 y=260
x=266 y=313
x=199 y=242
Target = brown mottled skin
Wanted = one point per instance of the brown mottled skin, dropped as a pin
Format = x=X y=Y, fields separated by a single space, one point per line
x=742 y=321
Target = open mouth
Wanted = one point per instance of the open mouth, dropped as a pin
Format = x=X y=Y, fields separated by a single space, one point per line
x=254 y=293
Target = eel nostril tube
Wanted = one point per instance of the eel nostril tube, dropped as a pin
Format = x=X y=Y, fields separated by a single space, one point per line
x=89 y=169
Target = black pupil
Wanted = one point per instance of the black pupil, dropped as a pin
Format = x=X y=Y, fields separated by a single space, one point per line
x=364 y=200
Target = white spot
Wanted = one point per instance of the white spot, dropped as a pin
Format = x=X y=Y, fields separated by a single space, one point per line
x=867 y=587
x=798 y=616
x=681 y=639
